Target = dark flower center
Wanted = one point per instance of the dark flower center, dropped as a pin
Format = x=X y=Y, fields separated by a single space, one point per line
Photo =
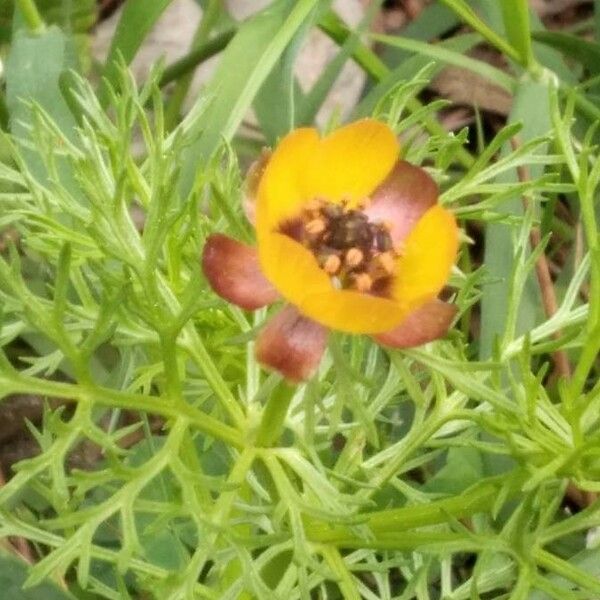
x=357 y=253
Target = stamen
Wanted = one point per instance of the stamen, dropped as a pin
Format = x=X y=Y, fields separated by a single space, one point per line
x=362 y=282
x=314 y=205
x=354 y=257
x=385 y=260
x=332 y=264
x=356 y=253
x=315 y=227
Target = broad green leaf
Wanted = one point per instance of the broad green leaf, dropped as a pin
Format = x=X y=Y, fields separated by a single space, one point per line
x=77 y=16
x=137 y=19
x=245 y=65
x=463 y=469
x=583 y=51
x=275 y=103
x=515 y=14
x=33 y=71
x=531 y=107
x=13 y=573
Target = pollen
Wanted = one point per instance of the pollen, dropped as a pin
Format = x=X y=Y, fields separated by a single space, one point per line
x=355 y=252
x=354 y=257
x=362 y=282
x=386 y=261
x=332 y=264
x=315 y=227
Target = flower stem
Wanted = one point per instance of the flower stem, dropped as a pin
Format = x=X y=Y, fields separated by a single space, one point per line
x=31 y=15
x=197 y=55
x=273 y=417
x=398 y=521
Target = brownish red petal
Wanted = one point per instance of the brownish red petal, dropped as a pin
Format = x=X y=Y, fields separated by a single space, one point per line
x=429 y=322
x=402 y=199
x=291 y=344
x=233 y=271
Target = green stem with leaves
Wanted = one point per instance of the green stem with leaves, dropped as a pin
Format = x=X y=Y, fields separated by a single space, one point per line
x=274 y=413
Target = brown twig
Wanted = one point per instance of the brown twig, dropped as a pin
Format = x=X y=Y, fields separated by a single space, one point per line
x=562 y=366
x=542 y=271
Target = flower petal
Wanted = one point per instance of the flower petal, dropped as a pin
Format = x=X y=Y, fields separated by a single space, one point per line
x=348 y=164
x=429 y=322
x=233 y=271
x=281 y=188
x=351 y=162
x=291 y=344
x=294 y=271
x=402 y=199
x=427 y=258
x=291 y=268
x=252 y=182
x=353 y=312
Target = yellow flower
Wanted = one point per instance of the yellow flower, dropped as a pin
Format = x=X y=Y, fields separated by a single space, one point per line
x=350 y=236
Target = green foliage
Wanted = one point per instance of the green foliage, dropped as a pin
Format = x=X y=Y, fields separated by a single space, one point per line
x=13 y=573
x=136 y=21
x=428 y=473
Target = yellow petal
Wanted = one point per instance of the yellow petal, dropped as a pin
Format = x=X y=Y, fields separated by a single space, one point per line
x=352 y=161
x=347 y=164
x=290 y=267
x=354 y=312
x=427 y=258
x=281 y=188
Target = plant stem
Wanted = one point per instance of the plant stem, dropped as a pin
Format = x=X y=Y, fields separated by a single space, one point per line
x=192 y=59
x=31 y=15
x=124 y=400
x=273 y=418
x=338 y=566
x=480 y=498
x=542 y=271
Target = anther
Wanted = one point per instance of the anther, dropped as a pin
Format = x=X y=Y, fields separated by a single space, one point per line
x=399 y=249
x=332 y=264
x=386 y=261
x=315 y=227
x=313 y=205
x=354 y=257
x=362 y=282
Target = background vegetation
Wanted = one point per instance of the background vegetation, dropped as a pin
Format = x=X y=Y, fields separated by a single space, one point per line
x=154 y=462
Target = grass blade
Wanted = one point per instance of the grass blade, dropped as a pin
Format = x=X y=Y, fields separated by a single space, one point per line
x=137 y=19
x=450 y=57
x=515 y=14
x=246 y=63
